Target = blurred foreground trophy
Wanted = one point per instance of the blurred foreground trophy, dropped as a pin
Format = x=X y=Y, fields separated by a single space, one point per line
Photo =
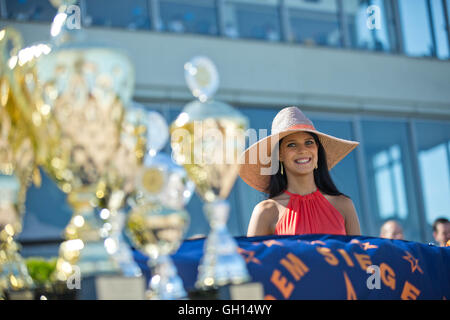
x=207 y=138
x=158 y=221
x=17 y=164
x=83 y=90
x=118 y=186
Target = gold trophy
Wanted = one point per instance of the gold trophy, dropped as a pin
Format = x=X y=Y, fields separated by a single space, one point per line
x=17 y=165
x=158 y=221
x=207 y=138
x=119 y=188
x=80 y=96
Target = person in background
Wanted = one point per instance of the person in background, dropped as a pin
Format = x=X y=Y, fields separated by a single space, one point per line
x=392 y=229
x=441 y=231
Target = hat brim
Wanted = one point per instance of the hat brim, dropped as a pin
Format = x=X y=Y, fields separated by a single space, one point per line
x=252 y=166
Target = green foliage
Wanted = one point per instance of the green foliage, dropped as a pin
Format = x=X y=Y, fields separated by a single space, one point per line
x=41 y=270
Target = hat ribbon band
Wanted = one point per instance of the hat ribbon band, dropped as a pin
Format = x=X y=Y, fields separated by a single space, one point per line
x=301 y=126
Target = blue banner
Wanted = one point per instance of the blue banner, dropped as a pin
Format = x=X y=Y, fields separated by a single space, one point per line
x=332 y=267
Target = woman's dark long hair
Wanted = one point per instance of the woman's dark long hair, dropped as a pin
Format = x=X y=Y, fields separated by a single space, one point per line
x=278 y=183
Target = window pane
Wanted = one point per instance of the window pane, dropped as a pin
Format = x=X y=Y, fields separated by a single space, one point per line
x=314 y=22
x=368 y=24
x=389 y=176
x=442 y=50
x=189 y=16
x=433 y=139
x=30 y=10
x=47 y=212
x=256 y=19
x=416 y=27
x=130 y=14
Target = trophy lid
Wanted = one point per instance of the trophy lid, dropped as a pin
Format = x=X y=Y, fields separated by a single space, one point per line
x=201 y=77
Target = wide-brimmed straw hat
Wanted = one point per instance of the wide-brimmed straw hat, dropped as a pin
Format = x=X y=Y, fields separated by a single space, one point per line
x=256 y=162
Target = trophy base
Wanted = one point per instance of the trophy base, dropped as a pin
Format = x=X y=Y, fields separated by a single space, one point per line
x=14 y=275
x=165 y=284
x=246 y=291
x=106 y=287
x=221 y=264
x=94 y=260
x=23 y=294
x=124 y=259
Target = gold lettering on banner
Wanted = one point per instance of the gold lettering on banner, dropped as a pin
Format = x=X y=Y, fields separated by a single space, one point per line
x=346 y=257
x=410 y=292
x=363 y=260
x=351 y=294
x=295 y=266
x=282 y=283
x=329 y=257
x=387 y=275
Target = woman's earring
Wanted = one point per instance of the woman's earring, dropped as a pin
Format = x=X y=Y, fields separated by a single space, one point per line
x=282 y=169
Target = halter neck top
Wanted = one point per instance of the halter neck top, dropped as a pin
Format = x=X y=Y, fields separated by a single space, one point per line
x=310 y=214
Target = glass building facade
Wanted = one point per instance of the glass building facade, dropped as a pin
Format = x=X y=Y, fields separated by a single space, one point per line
x=401 y=170
x=417 y=28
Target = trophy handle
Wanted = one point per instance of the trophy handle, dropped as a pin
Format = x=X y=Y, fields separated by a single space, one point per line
x=9 y=35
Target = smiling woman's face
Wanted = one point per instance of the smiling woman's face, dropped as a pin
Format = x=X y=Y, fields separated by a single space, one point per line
x=299 y=153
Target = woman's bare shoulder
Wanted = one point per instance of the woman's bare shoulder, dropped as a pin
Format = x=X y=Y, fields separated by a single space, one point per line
x=345 y=203
x=266 y=207
x=263 y=219
x=342 y=203
x=347 y=208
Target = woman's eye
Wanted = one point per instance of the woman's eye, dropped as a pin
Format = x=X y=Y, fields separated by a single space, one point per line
x=291 y=145
x=309 y=142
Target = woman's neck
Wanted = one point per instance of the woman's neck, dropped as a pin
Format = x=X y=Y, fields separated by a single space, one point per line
x=301 y=184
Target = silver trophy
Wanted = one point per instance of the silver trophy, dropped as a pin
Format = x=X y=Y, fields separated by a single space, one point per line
x=158 y=221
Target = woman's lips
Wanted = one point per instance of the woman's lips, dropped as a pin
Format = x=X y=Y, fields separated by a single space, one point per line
x=303 y=161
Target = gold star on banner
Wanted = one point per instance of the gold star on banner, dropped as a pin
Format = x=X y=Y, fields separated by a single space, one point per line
x=318 y=242
x=414 y=262
x=367 y=245
x=249 y=256
x=357 y=242
x=270 y=243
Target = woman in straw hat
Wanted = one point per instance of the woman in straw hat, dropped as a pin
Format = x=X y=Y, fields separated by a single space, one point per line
x=295 y=173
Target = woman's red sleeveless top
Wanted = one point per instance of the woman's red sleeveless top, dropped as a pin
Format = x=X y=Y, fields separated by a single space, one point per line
x=310 y=214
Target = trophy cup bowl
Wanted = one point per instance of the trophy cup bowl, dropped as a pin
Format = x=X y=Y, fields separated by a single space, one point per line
x=158 y=231
x=118 y=185
x=86 y=88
